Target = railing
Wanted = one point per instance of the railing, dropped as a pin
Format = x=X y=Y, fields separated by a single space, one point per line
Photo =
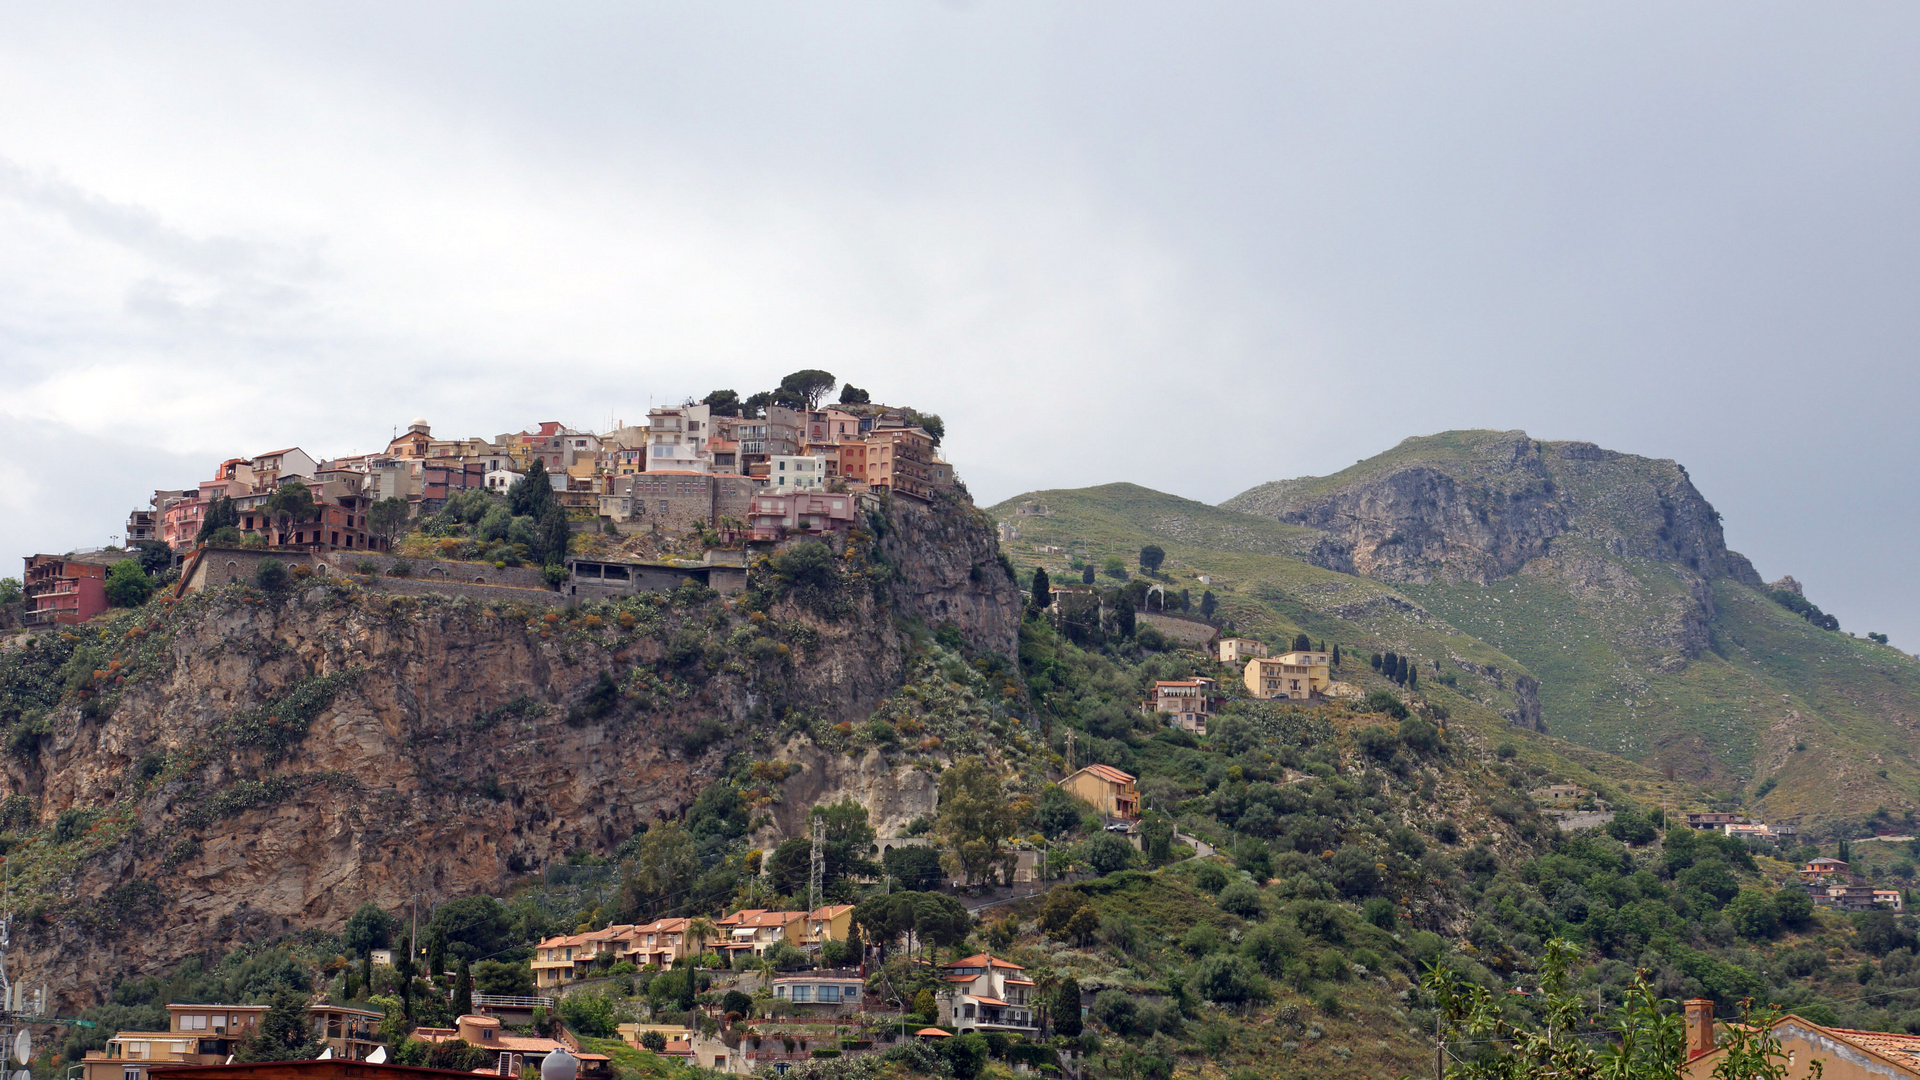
x=512 y=1001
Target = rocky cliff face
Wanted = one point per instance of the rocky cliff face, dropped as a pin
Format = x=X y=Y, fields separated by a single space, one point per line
x=242 y=764
x=1478 y=506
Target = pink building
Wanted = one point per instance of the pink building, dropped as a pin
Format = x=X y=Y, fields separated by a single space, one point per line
x=67 y=589
x=773 y=515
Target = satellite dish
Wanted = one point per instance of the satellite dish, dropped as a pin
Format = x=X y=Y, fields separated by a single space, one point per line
x=325 y=1055
x=378 y=1057
x=23 y=1047
x=560 y=1065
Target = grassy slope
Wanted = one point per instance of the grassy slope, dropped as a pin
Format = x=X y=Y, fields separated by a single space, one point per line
x=1729 y=717
x=1270 y=593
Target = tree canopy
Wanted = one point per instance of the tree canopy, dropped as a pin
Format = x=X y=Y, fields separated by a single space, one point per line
x=977 y=818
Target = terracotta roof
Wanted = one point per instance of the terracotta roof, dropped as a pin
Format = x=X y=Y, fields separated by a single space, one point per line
x=1109 y=774
x=1899 y=1047
x=987 y=959
x=829 y=911
x=934 y=1033
x=760 y=917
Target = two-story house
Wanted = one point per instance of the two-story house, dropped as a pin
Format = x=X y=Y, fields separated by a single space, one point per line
x=208 y=1034
x=755 y=930
x=560 y=960
x=986 y=993
x=1106 y=789
x=1238 y=650
x=662 y=943
x=1186 y=703
x=835 y=992
x=1297 y=676
x=831 y=922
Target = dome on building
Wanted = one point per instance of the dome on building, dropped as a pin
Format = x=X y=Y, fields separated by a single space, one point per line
x=559 y=1065
x=420 y=425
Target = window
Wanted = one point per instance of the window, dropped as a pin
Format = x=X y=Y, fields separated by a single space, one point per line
x=803 y=993
x=830 y=993
x=193 y=1023
x=780 y=991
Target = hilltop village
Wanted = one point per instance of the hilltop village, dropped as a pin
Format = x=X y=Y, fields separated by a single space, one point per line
x=723 y=470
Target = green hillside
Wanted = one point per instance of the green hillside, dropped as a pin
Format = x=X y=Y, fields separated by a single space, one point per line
x=1266 y=590
x=1602 y=575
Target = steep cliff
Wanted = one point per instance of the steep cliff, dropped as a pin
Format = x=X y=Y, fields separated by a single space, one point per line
x=243 y=762
x=1479 y=505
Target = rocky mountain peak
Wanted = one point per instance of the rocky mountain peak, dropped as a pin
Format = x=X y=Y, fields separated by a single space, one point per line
x=1479 y=505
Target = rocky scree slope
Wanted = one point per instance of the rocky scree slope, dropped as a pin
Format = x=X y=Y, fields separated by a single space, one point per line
x=185 y=778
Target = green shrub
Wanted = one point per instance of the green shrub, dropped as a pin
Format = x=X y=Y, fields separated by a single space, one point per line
x=1243 y=899
x=271 y=575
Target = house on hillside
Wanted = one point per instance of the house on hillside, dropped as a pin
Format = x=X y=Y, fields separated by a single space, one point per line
x=986 y=993
x=755 y=930
x=830 y=922
x=662 y=943
x=1186 y=703
x=1237 y=650
x=827 y=991
x=208 y=1034
x=1106 y=789
x=1714 y=821
x=1824 y=867
x=68 y=589
x=1295 y=676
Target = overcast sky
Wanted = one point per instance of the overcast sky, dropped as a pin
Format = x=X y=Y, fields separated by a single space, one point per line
x=1196 y=246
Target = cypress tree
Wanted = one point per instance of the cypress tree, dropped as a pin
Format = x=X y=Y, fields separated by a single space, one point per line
x=463 y=990
x=1336 y=654
x=1301 y=644
x=1323 y=646
x=1374 y=660
x=1042 y=589
x=554 y=535
x=1066 y=1007
x=1208 y=605
x=1413 y=677
x=1086 y=574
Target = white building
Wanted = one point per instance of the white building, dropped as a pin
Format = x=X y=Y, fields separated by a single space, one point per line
x=793 y=472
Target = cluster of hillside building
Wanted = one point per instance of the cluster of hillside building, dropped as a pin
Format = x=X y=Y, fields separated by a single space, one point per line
x=1296 y=675
x=685 y=467
x=787 y=472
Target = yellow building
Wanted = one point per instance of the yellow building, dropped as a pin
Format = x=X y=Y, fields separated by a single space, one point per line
x=1293 y=675
x=207 y=1034
x=1106 y=789
x=832 y=922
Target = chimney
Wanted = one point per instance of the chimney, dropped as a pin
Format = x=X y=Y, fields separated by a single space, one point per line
x=1699 y=1027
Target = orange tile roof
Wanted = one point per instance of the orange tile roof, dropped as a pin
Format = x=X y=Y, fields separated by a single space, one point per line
x=1109 y=773
x=1897 y=1046
x=985 y=960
